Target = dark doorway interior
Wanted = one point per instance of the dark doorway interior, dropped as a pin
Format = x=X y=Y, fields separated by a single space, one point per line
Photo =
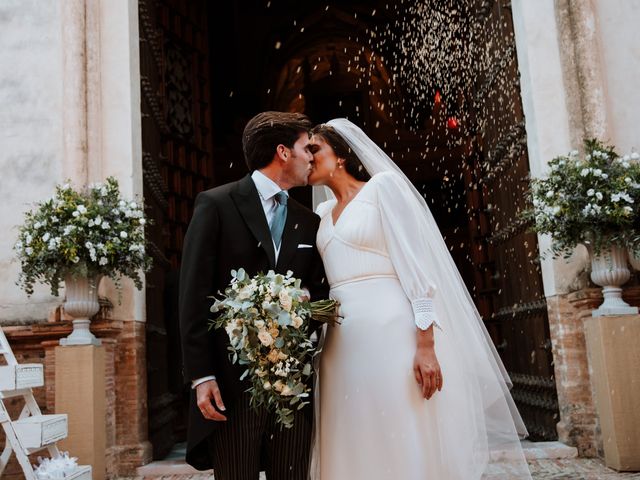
x=207 y=68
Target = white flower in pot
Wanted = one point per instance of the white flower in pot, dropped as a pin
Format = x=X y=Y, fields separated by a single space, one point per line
x=592 y=200
x=81 y=237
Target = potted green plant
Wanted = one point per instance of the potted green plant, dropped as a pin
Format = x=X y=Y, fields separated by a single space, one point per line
x=81 y=236
x=592 y=199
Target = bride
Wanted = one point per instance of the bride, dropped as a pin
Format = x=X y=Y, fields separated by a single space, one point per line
x=410 y=384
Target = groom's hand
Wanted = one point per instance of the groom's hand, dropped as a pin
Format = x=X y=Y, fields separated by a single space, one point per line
x=207 y=393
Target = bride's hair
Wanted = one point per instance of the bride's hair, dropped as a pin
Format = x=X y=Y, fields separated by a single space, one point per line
x=352 y=163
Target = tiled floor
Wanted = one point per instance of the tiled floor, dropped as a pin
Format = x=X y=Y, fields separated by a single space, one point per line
x=576 y=469
x=546 y=461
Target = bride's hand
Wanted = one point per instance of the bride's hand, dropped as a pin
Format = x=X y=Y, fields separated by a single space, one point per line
x=426 y=369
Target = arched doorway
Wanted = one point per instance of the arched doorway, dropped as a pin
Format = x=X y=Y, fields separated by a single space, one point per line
x=207 y=69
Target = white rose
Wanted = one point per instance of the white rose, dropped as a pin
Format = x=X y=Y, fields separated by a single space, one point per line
x=265 y=338
x=585 y=172
x=597 y=172
x=285 y=300
x=76 y=213
x=549 y=194
x=28 y=250
x=297 y=321
x=142 y=221
x=286 y=391
x=590 y=192
x=103 y=261
x=123 y=234
x=45 y=237
x=599 y=195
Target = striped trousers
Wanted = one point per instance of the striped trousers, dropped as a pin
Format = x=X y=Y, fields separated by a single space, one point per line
x=248 y=436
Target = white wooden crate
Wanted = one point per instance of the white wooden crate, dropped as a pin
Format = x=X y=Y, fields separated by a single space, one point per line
x=27 y=375
x=41 y=430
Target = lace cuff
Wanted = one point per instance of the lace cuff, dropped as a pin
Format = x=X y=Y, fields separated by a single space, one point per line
x=424 y=313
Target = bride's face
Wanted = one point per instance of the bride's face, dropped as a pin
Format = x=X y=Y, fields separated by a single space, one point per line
x=325 y=161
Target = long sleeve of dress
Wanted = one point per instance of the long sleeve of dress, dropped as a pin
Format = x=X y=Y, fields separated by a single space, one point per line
x=403 y=223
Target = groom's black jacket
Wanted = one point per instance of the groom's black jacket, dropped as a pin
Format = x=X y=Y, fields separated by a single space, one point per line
x=229 y=231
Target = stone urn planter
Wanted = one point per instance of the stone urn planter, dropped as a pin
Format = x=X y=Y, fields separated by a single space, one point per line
x=609 y=269
x=82 y=304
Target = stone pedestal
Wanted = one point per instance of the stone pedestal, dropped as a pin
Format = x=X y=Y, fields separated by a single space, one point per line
x=614 y=357
x=80 y=393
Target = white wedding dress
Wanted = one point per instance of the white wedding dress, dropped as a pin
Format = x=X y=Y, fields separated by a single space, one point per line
x=373 y=422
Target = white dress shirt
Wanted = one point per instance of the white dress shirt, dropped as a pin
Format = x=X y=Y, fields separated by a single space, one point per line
x=267 y=190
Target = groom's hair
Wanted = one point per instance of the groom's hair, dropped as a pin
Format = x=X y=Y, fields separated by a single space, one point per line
x=352 y=163
x=266 y=131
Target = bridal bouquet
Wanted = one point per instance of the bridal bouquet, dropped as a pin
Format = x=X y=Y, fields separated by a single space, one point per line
x=267 y=320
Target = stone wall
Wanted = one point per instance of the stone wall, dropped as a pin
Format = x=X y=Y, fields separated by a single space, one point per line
x=30 y=135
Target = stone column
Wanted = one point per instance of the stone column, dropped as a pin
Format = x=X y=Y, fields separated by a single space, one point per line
x=74 y=87
x=550 y=96
x=104 y=127
x=117 y=144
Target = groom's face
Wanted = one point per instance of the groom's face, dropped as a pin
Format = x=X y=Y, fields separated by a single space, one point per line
x=298 y=165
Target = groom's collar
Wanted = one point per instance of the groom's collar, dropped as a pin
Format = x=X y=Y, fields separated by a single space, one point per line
x=266 y=187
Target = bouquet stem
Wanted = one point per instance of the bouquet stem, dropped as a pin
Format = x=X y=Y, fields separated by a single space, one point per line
x=325 y=311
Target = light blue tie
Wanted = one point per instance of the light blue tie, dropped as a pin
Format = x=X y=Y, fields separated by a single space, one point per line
x=279 y=217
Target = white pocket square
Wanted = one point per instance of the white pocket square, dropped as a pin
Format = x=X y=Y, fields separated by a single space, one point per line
x=304 y=245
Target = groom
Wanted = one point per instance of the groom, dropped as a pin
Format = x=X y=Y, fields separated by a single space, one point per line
x=253 y=224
